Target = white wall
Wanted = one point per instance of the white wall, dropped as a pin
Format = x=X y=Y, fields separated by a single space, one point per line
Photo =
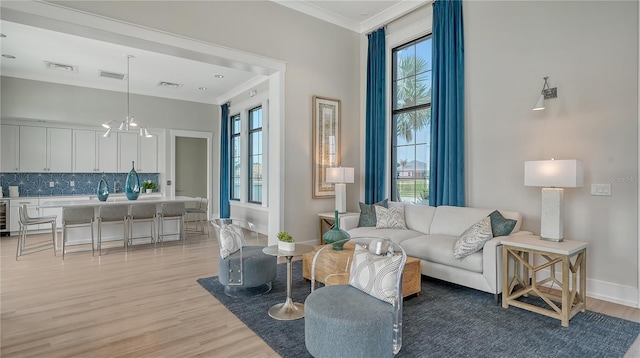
x=589 y=50
x=322 y=59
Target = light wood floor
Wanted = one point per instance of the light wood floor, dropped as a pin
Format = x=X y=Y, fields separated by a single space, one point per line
x=145 y=303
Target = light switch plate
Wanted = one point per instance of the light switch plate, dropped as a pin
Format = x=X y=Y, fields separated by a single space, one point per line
x=601 y=189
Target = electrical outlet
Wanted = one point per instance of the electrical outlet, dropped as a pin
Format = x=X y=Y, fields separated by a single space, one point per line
x=72 y=183
x=51 y=184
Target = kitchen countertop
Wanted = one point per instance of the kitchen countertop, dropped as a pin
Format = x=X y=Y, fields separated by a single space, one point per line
x=115 y=201
x=91 y=196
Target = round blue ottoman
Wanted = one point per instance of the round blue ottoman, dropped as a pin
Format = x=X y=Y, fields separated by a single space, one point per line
x=259 y=271
x=342 y=321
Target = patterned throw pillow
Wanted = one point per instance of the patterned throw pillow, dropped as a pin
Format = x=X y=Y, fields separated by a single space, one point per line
x=500 y=226
x=368 y=213
x=231 y=240
x=374 y=274
x=473 y=239
x=392 y=218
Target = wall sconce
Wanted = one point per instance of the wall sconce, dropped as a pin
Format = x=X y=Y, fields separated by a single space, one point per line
x=546 y=93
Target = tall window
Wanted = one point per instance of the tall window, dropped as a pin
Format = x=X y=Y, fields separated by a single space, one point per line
x=255 y=155
x=235 y=157
x=411 y=121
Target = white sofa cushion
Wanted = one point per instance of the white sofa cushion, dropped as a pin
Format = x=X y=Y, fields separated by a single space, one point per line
x=419 y=217
x=395 y=235
x=439 y=249
x=454 y=220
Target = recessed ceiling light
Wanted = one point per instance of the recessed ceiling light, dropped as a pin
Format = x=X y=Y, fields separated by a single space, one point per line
x=202 y=88
x=9 y=56
x=218 y=76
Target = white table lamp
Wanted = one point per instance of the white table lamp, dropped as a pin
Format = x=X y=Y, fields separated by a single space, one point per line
x=340 y=176
x=553 y=176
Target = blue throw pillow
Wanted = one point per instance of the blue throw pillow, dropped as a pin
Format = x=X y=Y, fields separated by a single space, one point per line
x=501 y=226
x=368 y=213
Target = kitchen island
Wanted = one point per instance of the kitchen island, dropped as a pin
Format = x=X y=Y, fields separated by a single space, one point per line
x=82 y=236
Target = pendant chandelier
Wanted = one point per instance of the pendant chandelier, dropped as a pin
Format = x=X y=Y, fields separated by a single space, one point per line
x=129 y=122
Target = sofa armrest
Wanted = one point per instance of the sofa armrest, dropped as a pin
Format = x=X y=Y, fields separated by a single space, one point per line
x=492 y=263
x=349 y=222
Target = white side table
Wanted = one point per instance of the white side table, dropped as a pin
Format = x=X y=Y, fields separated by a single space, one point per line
x=573 y=296
x=327 y=220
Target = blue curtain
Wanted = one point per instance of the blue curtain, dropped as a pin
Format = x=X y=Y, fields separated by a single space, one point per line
x=375 y=148
x=446 y=181
x=225 y=209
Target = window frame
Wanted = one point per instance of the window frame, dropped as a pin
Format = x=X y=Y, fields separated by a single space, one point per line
x=250 y=156
x=233 y=136
x=393 y=113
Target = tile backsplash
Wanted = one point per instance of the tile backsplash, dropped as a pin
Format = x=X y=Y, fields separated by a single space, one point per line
x=38 y=184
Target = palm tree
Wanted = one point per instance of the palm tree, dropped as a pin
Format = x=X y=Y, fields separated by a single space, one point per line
x=411 y=91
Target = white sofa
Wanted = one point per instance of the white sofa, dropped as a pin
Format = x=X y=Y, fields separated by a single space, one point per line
x=430 y=236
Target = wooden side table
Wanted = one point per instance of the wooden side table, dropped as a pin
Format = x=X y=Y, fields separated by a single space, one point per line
x=339 y=262
x=573 y=297
x=326 y=221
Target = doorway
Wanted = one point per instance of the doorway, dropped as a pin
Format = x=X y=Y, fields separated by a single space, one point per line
x=191 y=167
x=191 y=164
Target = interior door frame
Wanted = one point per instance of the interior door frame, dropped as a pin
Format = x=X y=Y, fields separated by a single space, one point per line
x=174 y=133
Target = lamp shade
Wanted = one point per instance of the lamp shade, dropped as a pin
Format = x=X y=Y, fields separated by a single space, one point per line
x=340 y=175
x=539 y=104
x=554 y=173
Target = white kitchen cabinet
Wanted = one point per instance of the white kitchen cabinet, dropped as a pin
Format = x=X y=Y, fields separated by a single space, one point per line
x=33 y=149
x=107 y=153
x=84 y=151
x=10 y=148
x=94 y=153
x=45 y=149
x=148 y=155
x=59 y=150
x=127 y=151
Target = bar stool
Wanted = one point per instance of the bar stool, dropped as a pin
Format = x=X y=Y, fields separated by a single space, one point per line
x=77 y=217
x=113 y=215
x=142 y=213
x=25 y=221
x=171 y=211
x=200 y=212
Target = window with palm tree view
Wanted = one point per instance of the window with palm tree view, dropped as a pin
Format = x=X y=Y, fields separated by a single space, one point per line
x=411 y=121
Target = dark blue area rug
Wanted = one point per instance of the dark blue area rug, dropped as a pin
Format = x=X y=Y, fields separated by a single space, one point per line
x=446 y=320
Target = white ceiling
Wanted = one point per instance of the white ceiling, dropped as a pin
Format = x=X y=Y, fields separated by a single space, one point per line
x=32 y=47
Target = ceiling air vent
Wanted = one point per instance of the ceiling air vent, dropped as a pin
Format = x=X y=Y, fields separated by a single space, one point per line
x=169 y=84
x=60 y=66
x=114 y=75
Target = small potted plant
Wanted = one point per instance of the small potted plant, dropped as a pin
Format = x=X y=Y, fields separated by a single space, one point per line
x=285 y=242
x=149 y=186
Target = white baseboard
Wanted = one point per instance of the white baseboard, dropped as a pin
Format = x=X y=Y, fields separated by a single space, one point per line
x=606 y=291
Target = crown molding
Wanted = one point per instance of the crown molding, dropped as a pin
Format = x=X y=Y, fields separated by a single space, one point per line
x=307 y=8
x=396 y=11
x=392 y=13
